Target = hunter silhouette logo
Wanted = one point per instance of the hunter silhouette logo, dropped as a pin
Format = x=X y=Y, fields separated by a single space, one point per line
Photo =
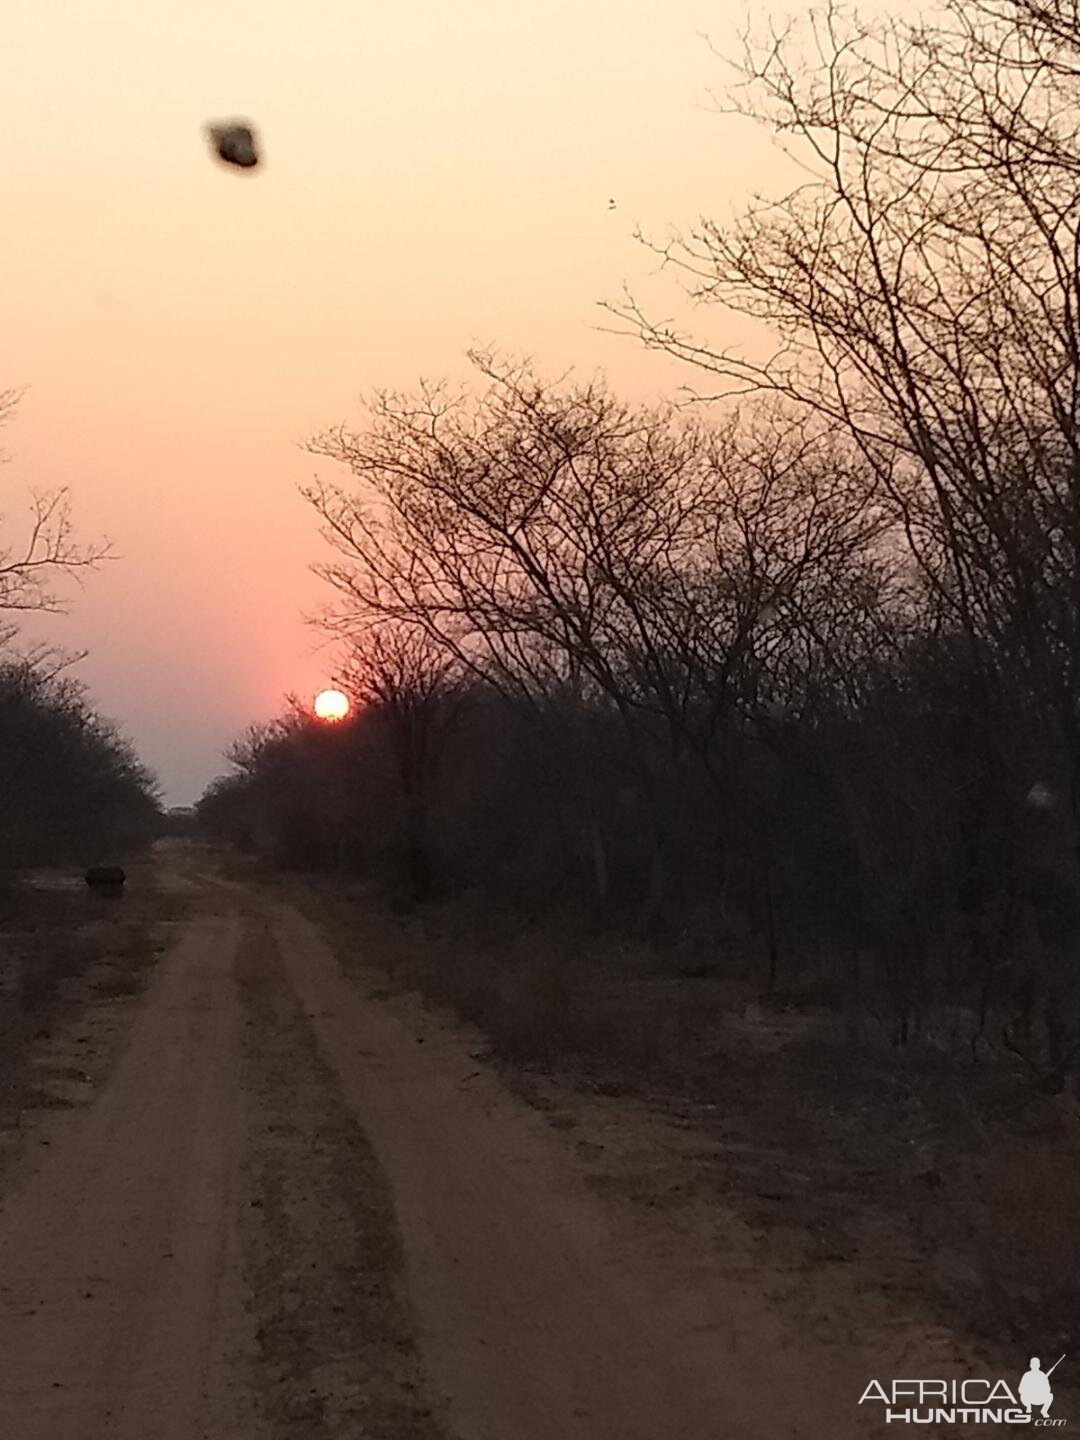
x=968 y=1402
x=1035 y=1390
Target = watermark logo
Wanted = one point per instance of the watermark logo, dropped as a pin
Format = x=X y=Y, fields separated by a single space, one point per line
x=968 y=1402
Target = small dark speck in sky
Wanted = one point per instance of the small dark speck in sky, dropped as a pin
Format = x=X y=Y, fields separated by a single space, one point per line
x=234 y=141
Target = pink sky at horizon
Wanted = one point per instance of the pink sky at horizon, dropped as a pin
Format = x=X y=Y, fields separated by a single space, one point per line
x=434 y=179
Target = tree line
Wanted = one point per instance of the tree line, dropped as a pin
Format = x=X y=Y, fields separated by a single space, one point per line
x=71 y=786
x=793 y=675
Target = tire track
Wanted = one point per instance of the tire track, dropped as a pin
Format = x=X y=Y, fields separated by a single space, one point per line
x=323 y=1259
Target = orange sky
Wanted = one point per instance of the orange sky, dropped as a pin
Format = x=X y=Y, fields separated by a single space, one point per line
x=437 y=175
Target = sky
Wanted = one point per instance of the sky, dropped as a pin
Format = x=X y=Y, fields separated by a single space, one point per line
x=436 y=176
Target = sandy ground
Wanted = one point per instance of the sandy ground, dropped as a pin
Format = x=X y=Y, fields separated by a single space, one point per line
x=299 y=1206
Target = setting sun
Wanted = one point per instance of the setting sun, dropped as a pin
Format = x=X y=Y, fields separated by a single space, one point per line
x=331 y=705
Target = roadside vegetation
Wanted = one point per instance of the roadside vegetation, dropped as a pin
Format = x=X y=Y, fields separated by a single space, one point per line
x=73 y=789
x=72 y=792
x=71 y=786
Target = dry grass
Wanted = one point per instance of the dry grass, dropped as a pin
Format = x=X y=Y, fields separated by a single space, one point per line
x=46 y=949
x=42 y=967
x=63 y=949
x=543 y=999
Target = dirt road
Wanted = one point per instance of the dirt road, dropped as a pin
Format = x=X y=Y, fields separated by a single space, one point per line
x=300 y=1207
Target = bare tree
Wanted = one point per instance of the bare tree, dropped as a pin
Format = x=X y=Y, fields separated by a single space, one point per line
x=29 y=572
x=924 y=285
x=924 y=288
x=30 y=567
x=558 y=542
x=490 y=524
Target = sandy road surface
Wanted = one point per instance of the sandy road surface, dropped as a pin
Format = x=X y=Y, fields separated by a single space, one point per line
x=299 y=1208
x=118 y=1281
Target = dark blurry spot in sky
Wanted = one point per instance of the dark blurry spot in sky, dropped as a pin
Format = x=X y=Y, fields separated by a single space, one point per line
x=234 y=142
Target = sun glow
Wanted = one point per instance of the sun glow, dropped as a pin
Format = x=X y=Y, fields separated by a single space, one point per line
x=331 y=705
